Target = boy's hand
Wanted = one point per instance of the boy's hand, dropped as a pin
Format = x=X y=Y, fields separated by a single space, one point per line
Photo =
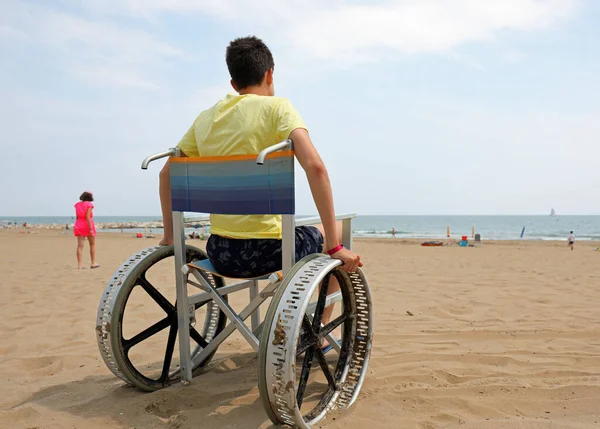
x=351 y=261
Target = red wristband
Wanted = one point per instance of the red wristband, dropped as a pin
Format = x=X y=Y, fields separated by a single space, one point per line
x=335 y=250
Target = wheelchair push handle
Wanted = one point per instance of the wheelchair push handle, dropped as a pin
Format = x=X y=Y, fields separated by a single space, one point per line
x=171 y=152
x=286 y=144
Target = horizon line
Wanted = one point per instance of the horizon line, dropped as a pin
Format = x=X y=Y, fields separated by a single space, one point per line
x=8 y=217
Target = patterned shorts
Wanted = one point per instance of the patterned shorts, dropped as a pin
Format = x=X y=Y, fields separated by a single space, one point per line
x=245 y=258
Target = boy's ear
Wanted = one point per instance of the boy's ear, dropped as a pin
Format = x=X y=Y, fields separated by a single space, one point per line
x=269 y=77
x=234 y=86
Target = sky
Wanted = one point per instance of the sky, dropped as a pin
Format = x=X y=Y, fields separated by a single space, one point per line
x=416 y=106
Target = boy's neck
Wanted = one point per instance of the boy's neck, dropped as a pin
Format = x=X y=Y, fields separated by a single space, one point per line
x=256 y=90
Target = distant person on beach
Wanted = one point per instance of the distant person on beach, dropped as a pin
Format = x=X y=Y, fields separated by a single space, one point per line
x=571 y=240
x=84 y=227
x=393 y=232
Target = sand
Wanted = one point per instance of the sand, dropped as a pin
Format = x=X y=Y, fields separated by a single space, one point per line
x=502 y=336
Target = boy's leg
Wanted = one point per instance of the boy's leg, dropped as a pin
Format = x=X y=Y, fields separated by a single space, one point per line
x=164 y=190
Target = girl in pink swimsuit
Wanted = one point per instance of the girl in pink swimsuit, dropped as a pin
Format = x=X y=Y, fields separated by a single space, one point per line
x=84 y=227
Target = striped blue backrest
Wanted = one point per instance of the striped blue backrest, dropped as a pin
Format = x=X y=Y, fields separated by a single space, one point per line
x=233 y=184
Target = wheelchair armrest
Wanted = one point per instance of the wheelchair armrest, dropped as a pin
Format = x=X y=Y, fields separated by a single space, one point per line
x=313 y=220
x=192 y=219
x=346 y=226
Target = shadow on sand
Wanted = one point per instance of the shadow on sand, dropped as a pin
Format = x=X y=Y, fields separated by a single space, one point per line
x=226 y=395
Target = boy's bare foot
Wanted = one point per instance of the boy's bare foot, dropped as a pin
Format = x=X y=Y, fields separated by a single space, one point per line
x=337 y=335
x=165 y=242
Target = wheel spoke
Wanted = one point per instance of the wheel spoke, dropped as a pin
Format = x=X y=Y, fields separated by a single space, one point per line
x=147 y=333
x=156 y=295
x=306 y=365
x=169 y=353
x=307 y=327
x=316 y=323
x=325 y=367
x=327 y=329
x=304 y=346
x=195 y=335
x=307 y=337
x=189 y=257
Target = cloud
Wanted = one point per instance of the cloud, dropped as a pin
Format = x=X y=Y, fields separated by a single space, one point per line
x=98 y=51
x=102 y=42
x=420 y=27
x=345 y=31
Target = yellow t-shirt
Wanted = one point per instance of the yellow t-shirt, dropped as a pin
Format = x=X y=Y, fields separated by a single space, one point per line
x=242 y=125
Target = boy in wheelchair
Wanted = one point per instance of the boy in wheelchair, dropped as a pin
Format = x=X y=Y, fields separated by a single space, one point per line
x=244 y=246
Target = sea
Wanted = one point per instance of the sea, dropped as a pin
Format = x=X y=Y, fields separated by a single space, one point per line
x=431 y=227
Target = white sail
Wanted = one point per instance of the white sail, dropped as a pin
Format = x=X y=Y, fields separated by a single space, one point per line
x=552 y=212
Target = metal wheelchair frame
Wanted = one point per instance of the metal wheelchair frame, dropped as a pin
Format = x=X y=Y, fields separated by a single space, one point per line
x=290 y=324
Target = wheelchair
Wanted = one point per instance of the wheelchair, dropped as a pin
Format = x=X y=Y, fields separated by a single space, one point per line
x=299 y=384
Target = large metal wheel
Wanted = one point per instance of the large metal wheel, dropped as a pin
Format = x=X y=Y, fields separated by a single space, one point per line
x=143 y=353
x=298 y=383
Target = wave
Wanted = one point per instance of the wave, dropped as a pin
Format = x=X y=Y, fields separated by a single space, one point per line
x=376 y=232
x=542 y=236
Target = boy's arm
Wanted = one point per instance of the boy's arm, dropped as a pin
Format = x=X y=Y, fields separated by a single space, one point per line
x=320 y=187
x=164 y=191
x=318 y=179
x=188 y=146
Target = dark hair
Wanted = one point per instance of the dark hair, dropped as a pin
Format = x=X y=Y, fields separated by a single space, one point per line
x=248 y=59
x=571 y=232
x=86 y=196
